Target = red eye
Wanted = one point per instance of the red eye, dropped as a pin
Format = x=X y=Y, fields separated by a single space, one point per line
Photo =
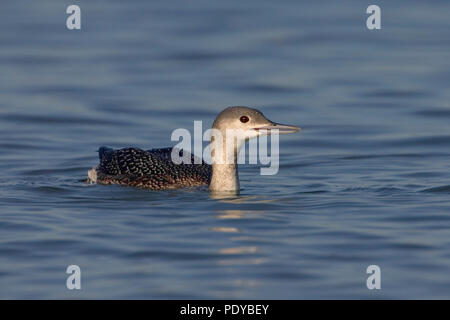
x=244 y=119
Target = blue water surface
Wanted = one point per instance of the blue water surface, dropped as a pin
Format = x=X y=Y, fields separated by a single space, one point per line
x=366 y=182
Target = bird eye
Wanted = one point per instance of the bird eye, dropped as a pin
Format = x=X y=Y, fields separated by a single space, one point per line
x=244 y=119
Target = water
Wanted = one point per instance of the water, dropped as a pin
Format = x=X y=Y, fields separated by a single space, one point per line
x=366 y=182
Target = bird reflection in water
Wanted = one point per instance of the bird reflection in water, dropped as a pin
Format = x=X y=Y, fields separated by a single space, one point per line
x=238 y=255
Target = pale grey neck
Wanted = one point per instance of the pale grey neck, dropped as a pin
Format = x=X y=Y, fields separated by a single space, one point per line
x=224 y=169
x=224 y=178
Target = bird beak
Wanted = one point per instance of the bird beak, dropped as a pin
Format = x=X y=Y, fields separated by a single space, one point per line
x=282 y=128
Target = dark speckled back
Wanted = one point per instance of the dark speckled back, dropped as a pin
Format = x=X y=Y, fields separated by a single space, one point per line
x=152 y=169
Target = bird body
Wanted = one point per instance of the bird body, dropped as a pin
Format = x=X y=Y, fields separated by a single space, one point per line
x=149 y=169
x=155 y=170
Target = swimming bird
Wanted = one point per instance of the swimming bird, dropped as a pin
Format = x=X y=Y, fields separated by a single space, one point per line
x=154 y=169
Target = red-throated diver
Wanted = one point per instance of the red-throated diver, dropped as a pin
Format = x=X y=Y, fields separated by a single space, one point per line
x=155 y=170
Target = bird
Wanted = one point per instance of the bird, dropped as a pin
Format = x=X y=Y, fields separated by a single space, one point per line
x=155 y=169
